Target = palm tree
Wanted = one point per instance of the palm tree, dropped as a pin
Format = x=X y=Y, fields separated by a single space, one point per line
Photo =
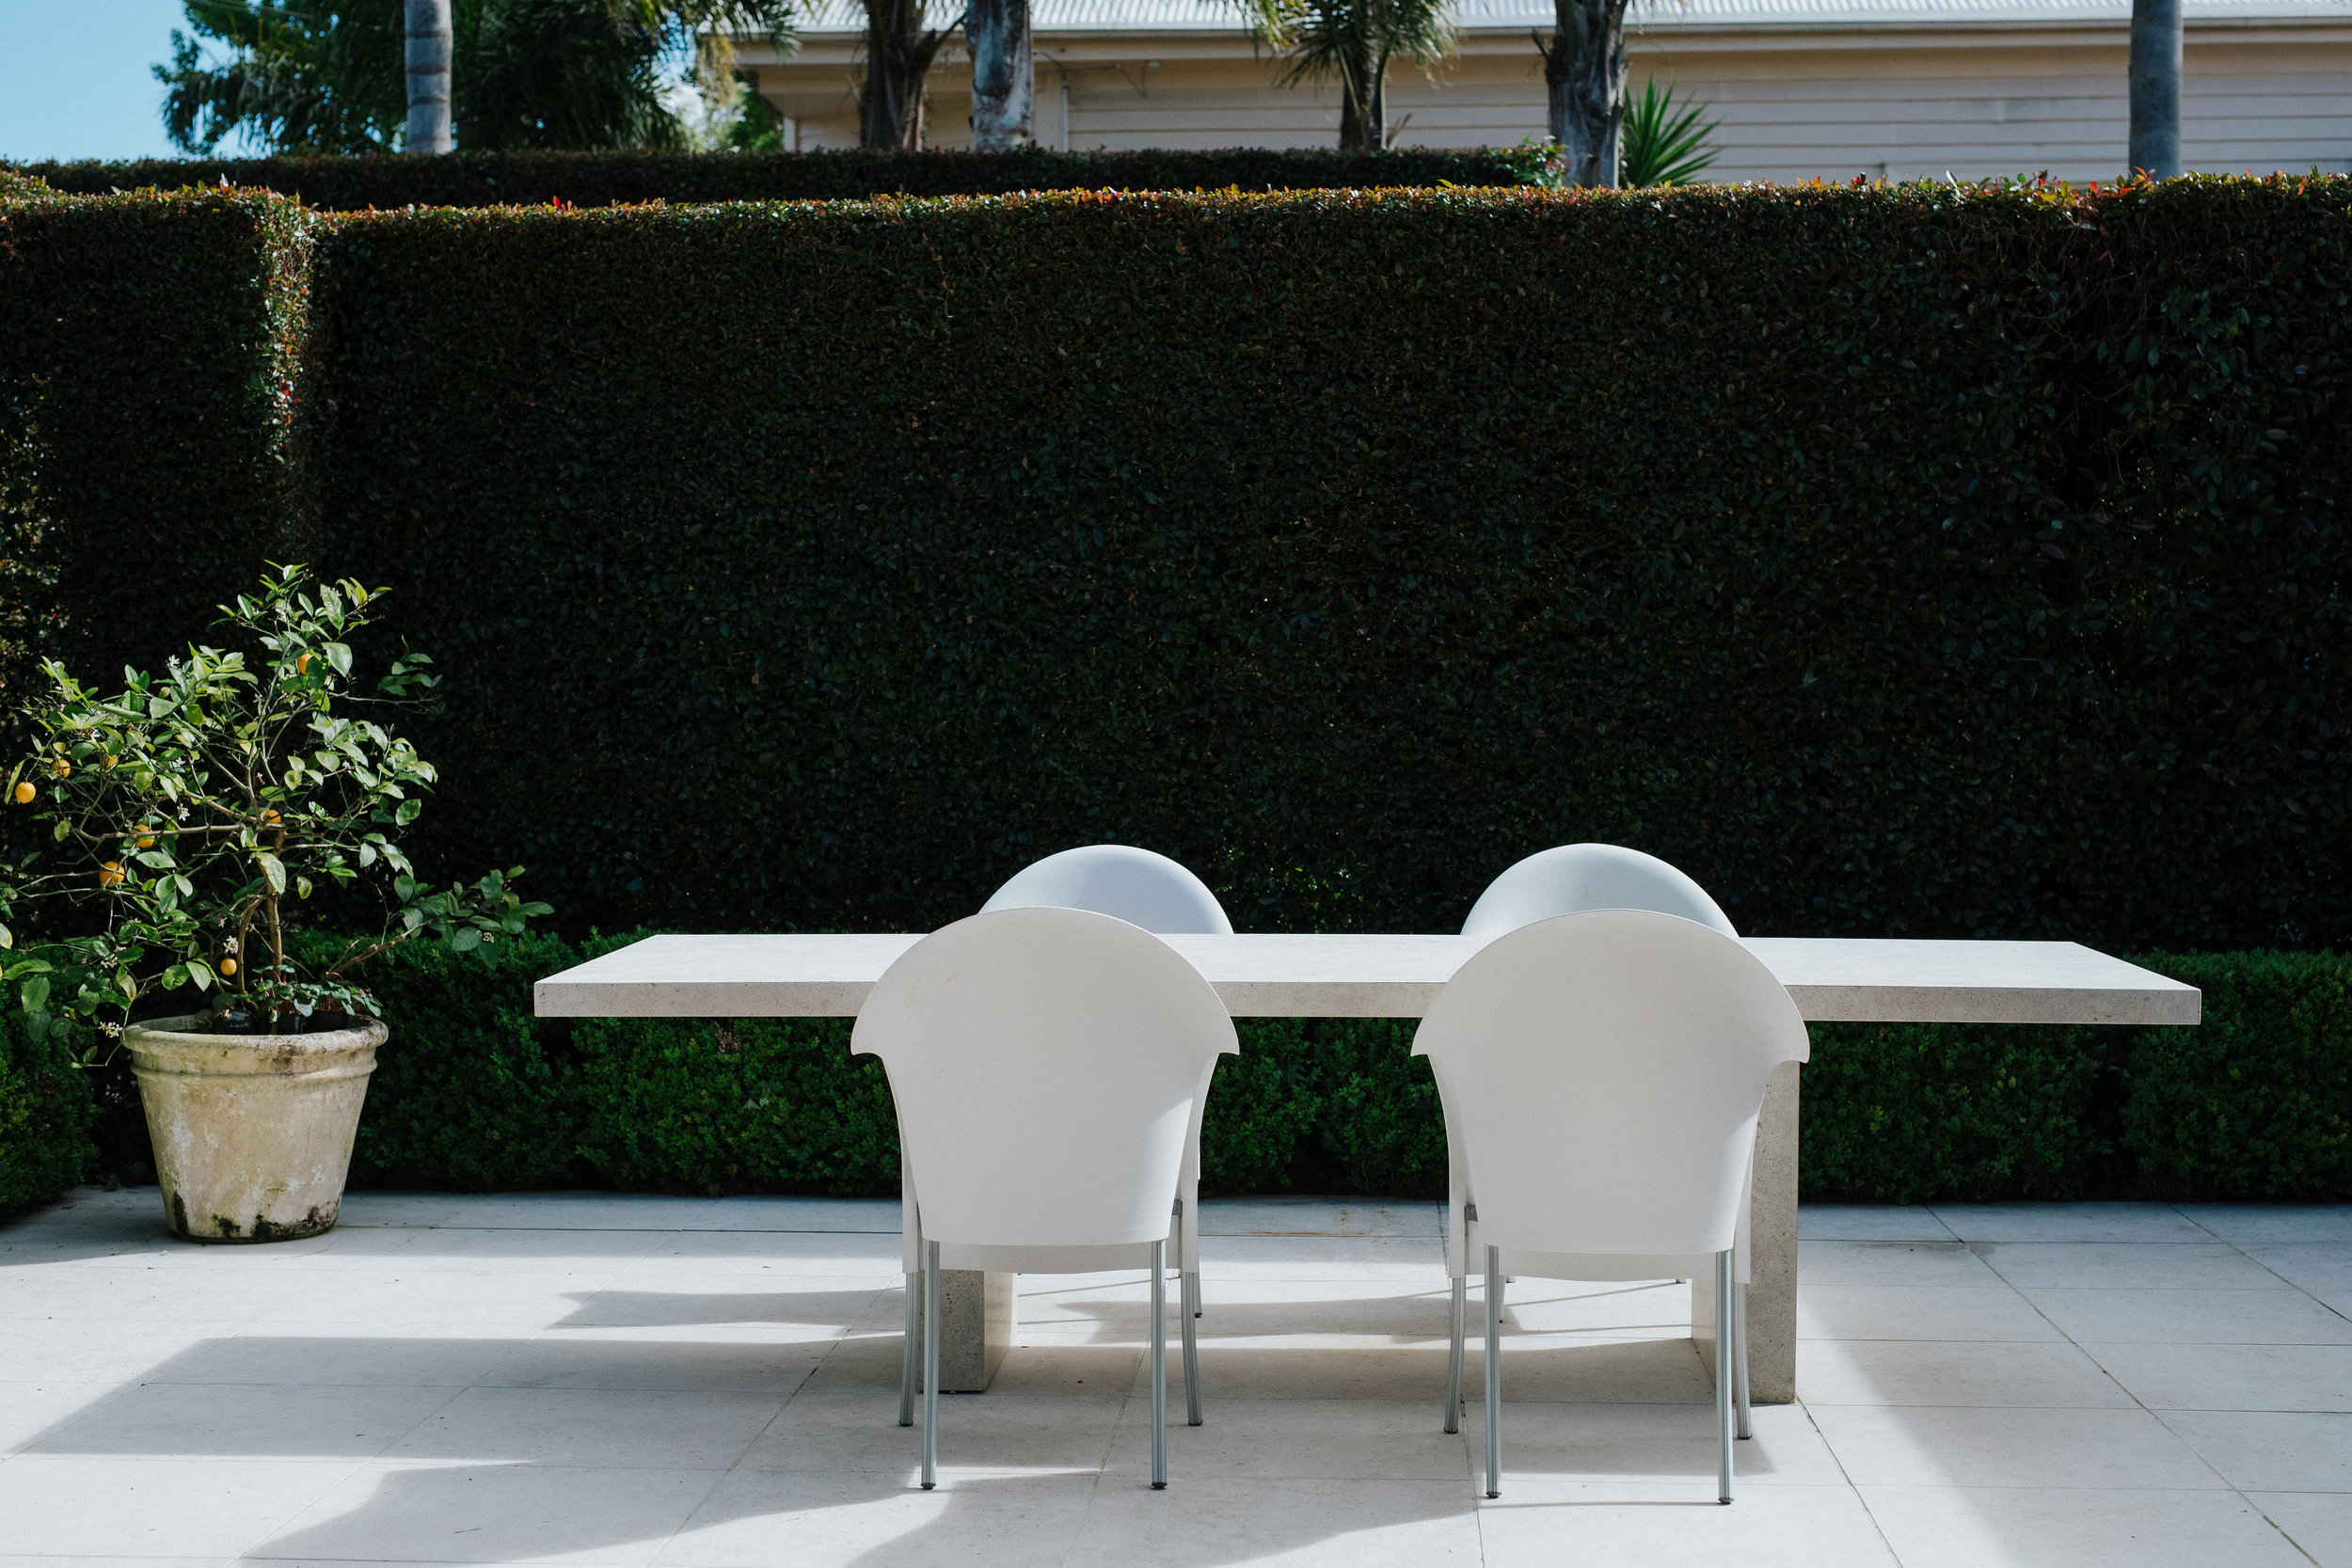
x=1585 y=80
x=2156 y=88
x=330 y=75
x=1003 y=76
x=899 y=54
x=1352 y=41
x=427 y=62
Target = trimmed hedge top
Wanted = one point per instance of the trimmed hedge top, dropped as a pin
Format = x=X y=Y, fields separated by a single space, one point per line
x=624 y=179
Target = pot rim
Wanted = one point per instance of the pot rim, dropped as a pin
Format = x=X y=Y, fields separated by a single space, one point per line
x=161 y=1031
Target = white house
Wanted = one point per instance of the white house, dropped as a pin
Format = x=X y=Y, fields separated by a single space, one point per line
x=1801 y=87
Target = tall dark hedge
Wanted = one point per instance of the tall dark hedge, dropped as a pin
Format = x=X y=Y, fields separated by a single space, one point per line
x=151 y=353
x=1900 y=561
x=619 y=179
x=46 y=1112
x=1905 y=560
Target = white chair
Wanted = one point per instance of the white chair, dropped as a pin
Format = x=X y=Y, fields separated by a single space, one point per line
x=1557 y=881
x=1139 y=887
x=1589 y=876
x=1602 y=1074
x=1048 y=1066
x=1162 y=896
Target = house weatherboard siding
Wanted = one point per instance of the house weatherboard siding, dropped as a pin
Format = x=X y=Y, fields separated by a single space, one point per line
x=1899 y=88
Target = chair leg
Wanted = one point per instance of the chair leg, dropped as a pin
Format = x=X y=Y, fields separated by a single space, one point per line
x=1192 y=1353
x=930 y=1365
x=1159 y=1366
x=1494 y=1372
x=1723 y=1377
x=1453 y=1358
x=906 y=1359
x=1740 y=1355
x=1192 y=1294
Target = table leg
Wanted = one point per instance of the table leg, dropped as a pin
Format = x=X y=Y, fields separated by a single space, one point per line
x=1771 y=1254
x=975 y=1326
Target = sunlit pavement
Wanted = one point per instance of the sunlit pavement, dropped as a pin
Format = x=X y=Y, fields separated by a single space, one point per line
x=595 y=1378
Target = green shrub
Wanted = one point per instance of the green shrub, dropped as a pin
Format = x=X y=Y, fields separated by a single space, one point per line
x=46 y=1113
x=1910 y=1113
x=472 y=1092
x=2256 y=1103
x=747 y=1106
x=534 y=179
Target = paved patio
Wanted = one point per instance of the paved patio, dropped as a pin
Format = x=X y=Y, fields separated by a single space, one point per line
x=600 y=1379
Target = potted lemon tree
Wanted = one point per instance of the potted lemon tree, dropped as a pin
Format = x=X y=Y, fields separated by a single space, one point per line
x=190 y=819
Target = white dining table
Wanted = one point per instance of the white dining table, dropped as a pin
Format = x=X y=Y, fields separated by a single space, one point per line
x=1345 y=974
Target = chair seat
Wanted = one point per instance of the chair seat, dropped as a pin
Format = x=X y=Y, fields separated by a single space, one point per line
x=1101 y=1258
x=1618 y=1266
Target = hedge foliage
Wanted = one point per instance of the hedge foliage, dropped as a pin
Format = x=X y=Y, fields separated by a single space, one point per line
x=1907 y=560
x=622 y=179
x=474 y=1095
x=46 y=1112
x=152 y=349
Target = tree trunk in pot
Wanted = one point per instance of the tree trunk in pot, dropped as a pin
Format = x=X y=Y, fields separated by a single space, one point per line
x=252 y=1132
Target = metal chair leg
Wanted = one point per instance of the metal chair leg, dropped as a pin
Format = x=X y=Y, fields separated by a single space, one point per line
x=1192 y=1293
x=906 y=1359
x=930 y=1365
x=1159 y=1366
x=1723 y=1377
x=1740 y=1355
x=1192 y=1361
x=1494 y=1372
x=1453 y=1358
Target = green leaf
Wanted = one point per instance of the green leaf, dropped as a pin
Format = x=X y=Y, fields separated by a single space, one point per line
x=274 y=870
x=404 y=888
x=338 y=654
x=465 y=938
x=34 y=994
x=302 y=890
x=407 y=812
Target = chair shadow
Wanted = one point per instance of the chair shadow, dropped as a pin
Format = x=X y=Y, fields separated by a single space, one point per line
x=519 y=1487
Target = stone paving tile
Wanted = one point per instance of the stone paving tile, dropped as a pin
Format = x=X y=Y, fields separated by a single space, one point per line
x=1947 y=1526
x=605 y=1379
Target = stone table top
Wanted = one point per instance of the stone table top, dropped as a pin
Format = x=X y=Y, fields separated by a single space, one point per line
x=1351 y=975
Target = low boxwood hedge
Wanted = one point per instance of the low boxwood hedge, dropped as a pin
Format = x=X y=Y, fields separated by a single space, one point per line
x=475 y=1094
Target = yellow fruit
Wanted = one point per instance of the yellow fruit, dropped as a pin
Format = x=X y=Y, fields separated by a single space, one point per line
x=25 y=793
x=110 y=874
x=61 y=768
x=110 y=759
x=144 y=836
x=228 y=966
x=269 y=818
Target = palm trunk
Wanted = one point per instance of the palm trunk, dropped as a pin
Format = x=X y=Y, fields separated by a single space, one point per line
x=2155 y=85
x=1003 y=79
x=1585 y=79
x=428 y=76
x=1364 y=99
x=898 y=55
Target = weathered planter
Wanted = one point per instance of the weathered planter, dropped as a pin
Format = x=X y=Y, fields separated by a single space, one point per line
x=252 y=1132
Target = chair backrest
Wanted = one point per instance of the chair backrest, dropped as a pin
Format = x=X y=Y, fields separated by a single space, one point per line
x=1047 y=1065
x=1578 y=877
x=1138 y=886
x=1604 y=1071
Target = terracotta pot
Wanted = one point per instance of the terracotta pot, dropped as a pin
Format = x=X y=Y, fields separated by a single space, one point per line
x=252 y=1132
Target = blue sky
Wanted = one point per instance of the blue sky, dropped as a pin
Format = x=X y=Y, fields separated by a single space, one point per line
x=75 y=79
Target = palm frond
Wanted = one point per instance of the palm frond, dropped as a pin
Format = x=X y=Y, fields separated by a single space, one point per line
x=1659 y=147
